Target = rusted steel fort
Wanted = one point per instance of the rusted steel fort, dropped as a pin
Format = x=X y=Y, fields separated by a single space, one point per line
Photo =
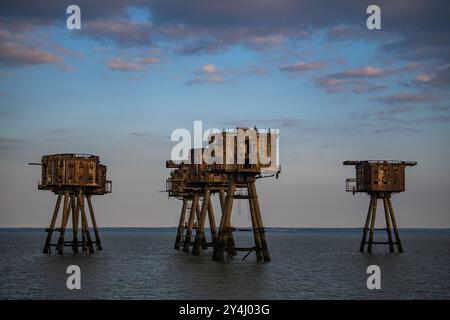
x=74 y=178
x=195 y=181
x=379 y=179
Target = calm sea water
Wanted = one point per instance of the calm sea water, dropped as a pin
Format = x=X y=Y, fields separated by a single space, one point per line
x=306 y=264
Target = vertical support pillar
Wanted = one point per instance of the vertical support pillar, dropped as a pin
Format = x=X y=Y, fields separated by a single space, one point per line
x=262 y=235
x=221 y=247
x=200 y=234
x=52 y=224
x=255 y=227
x=80 y=220
x=388 y=224
x=83 y=230
x=84 y=222
x=222 y=198
x=187 y=238
x=230 y=238
x=372 y=222
x=366 y=226
x=197 y=210
x=212 y=222
x=65 y=217
x=94 y=223
x=74 y=223
x=394 y=225
x=181 y=224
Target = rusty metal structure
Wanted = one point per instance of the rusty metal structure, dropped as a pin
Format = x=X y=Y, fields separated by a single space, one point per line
x=74 y=177
x=231 y=180
x=379 y=179
x=192 y=184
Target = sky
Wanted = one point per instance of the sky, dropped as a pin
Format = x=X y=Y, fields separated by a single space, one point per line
x=137 y=70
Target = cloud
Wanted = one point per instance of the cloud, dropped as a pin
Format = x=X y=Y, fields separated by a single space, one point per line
x=149 y=60
x=396 y=130
x=257 y=70
x=427 y=44
x=401 y=98
x=209 y=69
x=363 y=72
x=208 y=73
x=355 y=80
x=371 y=72
x=273 y=123
x=140 y=134
x=118 y=64
x=195 y=27
x=439 y=78
x=192 y=27
x=364 y=87
x=440 y=108
x=201 y=47
x=438 y=119
x=327 y=146
x=57 y=131
x=333 y=85
x=123 y=32
x=11 y=143
x=14 y=51
x=302 y=67
x=131 y=64
x=383 y=115
x=345 y=32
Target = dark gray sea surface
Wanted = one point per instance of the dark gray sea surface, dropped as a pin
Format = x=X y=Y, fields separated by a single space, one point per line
x=306 y=264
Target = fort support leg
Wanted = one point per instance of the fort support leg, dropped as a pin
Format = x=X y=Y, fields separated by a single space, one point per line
x=388 y=225
x=52 y=224
x=212 y=222
x=84 y=222
x=181 y=225
x=83 y=227
x=219 y=250
x=372 y=223
x=255 y=227
x=394 y=225
x=74 y=223
x=94 y=223
x=230 y=238
x=200 y=234
x=366 y=226
x=197 y=210
x=79 y=221
x=222 y=198
x=262 y=235
x=65 y=217
x=187 y=238
x=83 y=230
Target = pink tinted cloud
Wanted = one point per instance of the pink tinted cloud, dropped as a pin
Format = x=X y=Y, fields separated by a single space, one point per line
x=371 y=72
x=14 y=51
x=150 y=60
x=302 y=66
x=121 y=31
x=440 y=77
x=119 y=64
x=208 y=73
